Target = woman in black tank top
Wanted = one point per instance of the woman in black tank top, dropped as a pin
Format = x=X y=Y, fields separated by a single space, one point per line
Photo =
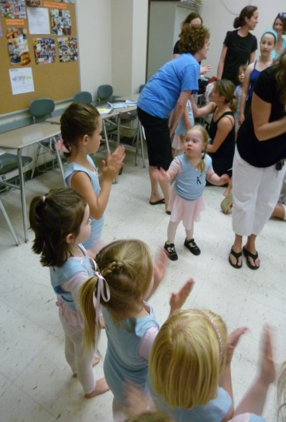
x=222 y=128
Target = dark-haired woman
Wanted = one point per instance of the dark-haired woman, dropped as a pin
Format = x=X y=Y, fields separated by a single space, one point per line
x=169 y=89
x=239 y=46
x=258 y=165
x=194 y=20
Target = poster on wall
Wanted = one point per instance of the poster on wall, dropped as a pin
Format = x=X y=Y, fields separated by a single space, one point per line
x=44 y=50
x=60 y=22
x=33 y=3
x=67 y=49
x=38 y=20
x=21 y=80
x=13 y=9
x=18 y=46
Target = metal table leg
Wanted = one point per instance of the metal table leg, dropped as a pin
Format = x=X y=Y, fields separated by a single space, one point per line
x=23 y=195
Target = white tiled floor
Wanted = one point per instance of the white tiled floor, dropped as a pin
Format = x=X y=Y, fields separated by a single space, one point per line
x=35 y=381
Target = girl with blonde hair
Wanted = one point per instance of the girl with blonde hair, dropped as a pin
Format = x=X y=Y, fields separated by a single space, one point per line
x=125 y=278
x=189 y=172
x=189 y=367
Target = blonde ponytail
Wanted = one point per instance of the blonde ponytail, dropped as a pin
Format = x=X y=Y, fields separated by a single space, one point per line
x=91 y=330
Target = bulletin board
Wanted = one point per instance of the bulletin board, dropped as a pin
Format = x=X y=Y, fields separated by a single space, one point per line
x=50 y=69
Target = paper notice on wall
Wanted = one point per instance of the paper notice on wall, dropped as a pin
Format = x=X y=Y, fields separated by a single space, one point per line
x=38 y=20
x=21 y=80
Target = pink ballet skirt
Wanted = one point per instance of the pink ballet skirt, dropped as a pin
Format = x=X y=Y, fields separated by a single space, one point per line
x=186 y=211
x=177 y=143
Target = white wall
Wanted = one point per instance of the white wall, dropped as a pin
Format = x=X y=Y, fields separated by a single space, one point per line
x=218 y=16
x=94 y=38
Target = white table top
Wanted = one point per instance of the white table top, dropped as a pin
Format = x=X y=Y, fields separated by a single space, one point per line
x=28 y=135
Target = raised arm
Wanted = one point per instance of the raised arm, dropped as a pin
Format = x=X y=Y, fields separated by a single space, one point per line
x=221 y=62
x=180 y=107
x=224 y=126
x=264 y=129
x=244 y=92
x=203 y=111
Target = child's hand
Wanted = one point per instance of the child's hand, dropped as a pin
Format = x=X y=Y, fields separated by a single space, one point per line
x=114 y=162
x=160 y=175
x=267 y=366
x=160 y=267
x=232 y=342
x=205 y=69
x=178 y=299
x=224 y=179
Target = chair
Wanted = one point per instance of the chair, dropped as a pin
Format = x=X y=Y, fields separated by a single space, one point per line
x=9 y=163
x=104 y=93
x=82 y=97
x=41 y=109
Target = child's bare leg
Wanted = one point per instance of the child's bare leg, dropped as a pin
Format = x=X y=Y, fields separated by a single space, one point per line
x=171 y=232
x=280 y=212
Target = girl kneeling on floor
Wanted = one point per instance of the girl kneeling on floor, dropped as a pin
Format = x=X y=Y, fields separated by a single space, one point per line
x=189 y=172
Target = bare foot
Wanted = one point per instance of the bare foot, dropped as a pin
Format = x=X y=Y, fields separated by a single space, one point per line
x=100 y=388
x=233 y=259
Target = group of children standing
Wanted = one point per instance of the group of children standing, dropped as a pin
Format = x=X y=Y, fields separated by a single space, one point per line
x=108 y=287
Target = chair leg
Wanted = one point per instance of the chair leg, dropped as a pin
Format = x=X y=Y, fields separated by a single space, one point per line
x=105 y=135
x=36 y=160
x=9 y=224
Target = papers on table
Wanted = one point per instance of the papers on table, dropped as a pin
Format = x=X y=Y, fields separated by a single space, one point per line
x=104 y=110
x=123 y=104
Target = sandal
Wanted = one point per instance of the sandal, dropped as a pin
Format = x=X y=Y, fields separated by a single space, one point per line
x=237 y=255
x=248 y=255
x=226 y=204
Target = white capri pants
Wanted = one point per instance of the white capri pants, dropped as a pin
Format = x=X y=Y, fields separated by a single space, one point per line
x=255 y=193
x=79 y=359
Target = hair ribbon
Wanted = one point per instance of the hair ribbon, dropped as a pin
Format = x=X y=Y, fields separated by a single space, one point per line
x=60 y=146
x=216 y=330
x=101 y=284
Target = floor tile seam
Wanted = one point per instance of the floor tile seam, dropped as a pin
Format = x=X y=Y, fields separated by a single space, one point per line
x=27 y=394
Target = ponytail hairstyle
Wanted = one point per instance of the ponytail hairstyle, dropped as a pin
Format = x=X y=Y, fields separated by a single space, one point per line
x=280 y=66
x=52 y=217
x=205 y=140
x=281 y=394
x=282 y=17
x=127 y=267
x=78 y=119
x=226 y=88
x=246 y=12
x=188 y=357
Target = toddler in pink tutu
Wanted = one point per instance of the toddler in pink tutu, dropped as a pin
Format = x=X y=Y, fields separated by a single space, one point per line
x=189 y=172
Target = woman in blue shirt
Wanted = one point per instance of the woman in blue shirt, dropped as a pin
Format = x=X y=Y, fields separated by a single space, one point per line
x=169 y=89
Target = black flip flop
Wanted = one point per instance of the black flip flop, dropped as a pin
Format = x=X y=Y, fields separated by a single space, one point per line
x=161 y=201
x=237 y=255
x=248 y=255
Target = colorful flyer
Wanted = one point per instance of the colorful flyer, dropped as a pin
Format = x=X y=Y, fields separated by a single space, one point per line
x=67 y=49
x=21 y=80
x=13 y=9
x=60 y=22
x=38 y=20
x=44 y=50
x=18 y=46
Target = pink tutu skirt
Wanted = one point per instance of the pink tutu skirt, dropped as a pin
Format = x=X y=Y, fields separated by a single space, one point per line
x=177 y=143
x=186 y=211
